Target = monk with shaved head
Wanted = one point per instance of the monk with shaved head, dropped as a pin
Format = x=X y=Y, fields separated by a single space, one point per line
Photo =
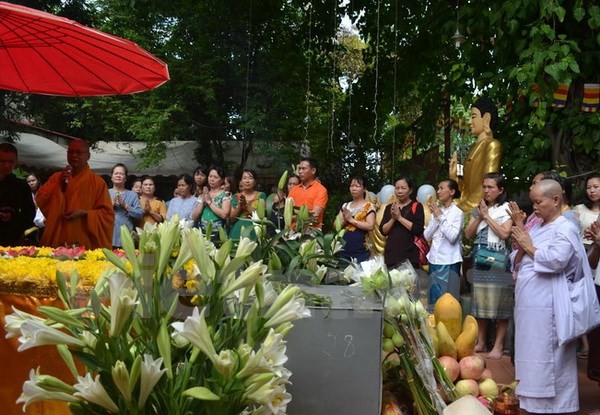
x=76 y=204
x=548 y=253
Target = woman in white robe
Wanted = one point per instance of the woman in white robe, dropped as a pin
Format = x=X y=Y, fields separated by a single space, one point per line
x=547 y=372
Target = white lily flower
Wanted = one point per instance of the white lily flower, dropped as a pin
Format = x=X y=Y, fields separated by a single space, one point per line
x=123 y=298
x=257 y=224
x=196 y=331
x=89 y=339
x=226 y=363
x=273 y=349
x=186 y=224
x=307 y=247
x=274 y=397
x=285 y=296
x=245 y=247
x=35 y=333
x=120 y=376
x=270 y=295
x=292 y=311
x=92 y=391
x=149 y=227
x=14 y=321
x=371 y=266
x=150 y=375
x=247 y=278
x=179 y=340
x=293 y=235
x=337 y=246
x=321 y=271
x=34 y=393
x=244 y=352
x=351 y=273
x=278 y=400
x=268 y=359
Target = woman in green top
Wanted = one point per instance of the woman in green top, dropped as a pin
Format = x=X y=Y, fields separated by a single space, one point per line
x=244 y=203
x=214 y=203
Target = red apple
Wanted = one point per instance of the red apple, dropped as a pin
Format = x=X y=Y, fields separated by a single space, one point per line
x=471 y=367
x=451 y=367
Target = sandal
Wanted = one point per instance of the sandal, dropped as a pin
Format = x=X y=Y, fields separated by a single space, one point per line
x=582 y=354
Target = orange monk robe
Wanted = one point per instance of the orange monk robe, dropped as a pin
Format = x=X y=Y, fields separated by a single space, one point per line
x=86 y=191
x=16 y=365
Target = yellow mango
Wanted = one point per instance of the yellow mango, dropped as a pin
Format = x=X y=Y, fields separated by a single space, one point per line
x=466 y=341
x=445 y=341
x=448 y=311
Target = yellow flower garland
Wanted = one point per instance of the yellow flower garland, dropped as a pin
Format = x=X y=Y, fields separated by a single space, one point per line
x=37 y=274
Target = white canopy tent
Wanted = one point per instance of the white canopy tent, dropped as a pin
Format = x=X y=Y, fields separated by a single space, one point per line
x=43 y=153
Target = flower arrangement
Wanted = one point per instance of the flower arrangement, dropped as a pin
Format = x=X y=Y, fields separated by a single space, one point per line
x=410 y=367
x=32 y=271
x=147 y=350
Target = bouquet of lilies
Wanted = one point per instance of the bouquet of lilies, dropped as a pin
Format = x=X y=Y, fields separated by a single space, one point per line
x=203 y=334
x=410 y=363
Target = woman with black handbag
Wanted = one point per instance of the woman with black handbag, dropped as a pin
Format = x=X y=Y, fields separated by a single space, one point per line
x=492 y=284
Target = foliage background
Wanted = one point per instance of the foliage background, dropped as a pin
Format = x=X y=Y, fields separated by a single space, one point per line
x=285 y=78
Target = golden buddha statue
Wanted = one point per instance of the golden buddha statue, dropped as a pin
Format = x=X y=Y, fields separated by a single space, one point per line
x=376 y=240
x=484 y=156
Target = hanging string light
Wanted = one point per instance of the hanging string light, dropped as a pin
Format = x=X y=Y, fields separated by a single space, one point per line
x=395 y=99
x=307 y=100
x=333 y=80
x=458 y=39
x=245 y=123
x=377 y=83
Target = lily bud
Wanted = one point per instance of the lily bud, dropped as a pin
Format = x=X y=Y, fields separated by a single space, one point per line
x=120 y=376
x=288 y=212
x=283 y=180
x=260 y=208
x=302 y=214
x=275 y=262
x=337 y=224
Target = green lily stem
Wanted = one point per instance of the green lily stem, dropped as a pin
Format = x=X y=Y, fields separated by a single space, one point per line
x=422 y=402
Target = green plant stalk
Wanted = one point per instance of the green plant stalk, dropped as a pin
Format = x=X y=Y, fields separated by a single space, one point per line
x=422 y=402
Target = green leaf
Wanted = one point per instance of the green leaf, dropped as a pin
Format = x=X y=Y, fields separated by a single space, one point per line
x=201 y=393
x=574 y=66
x=594 y=21
x=164 y=347
x=578 y=13
x=66 y=356
x=223 y=253
x=62 y=289
x=116 y=260
x=560 y=13
x=73 y=282
x=553 y=71
x=96 y=303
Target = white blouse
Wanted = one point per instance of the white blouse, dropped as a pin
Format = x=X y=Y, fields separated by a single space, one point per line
x=445 y=236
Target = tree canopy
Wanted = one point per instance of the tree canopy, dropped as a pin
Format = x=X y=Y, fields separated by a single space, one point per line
x=286 y=76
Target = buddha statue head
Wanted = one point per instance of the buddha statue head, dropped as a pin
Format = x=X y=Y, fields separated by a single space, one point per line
x=484 y=117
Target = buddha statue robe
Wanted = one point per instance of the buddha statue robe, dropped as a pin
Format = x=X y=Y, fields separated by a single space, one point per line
x=484 y=157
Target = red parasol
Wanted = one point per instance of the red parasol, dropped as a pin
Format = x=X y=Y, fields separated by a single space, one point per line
x=42 y=53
